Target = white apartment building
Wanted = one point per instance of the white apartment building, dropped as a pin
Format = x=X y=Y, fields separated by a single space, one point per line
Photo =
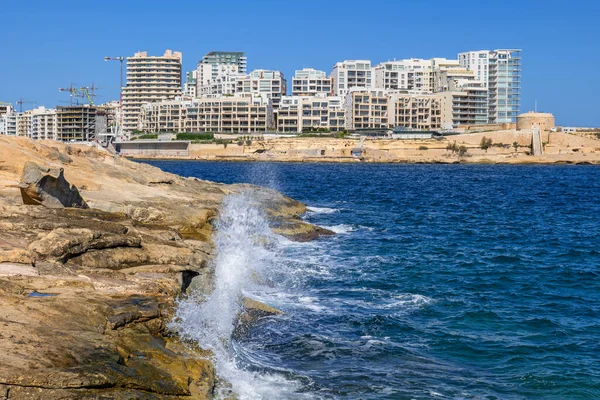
x=191 y=84
x=271 y=85
x=237 y=114
x=351 y=74
x=307 y=114
x=414 y=74
x=149 y=79
x=499 y=71
x=225 y=85
x=216 y=70
x=8 y=121
x=219 y=63
x=311 y=82
x=23 y=123
x=367 y=109
x=44 y=124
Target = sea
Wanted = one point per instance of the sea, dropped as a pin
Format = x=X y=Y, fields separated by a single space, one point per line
x=442 y=282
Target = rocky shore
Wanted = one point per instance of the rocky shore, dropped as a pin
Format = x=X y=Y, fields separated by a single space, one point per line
x=94 y=252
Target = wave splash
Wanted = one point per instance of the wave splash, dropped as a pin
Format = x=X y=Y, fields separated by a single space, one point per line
x=245 y=254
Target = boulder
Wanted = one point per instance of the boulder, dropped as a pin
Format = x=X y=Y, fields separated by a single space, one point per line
x=48 y=187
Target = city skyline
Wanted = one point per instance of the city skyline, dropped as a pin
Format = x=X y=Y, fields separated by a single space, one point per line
x=53 y=53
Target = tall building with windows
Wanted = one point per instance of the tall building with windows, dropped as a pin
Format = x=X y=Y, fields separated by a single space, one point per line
x=310 y=114
x=414 y=74
x=190 y=85
x=44 y=124
x=499 y=71
x=149 y=79
x=271 y=85
x=351 y=74
x=215 y=65
x=311 y=82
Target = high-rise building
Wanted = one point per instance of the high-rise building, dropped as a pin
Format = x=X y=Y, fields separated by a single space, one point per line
x=271 y=85
x=311 y=82
x=351 y=74
x=499 y=71
x=149 y=79
x=44 y=124
x=217 y=64
x=190 y=85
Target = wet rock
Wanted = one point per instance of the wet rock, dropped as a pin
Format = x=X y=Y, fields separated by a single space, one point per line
x=48 y=187
x=252 y=312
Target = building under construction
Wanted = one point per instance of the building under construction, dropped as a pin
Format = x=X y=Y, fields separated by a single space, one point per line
x=77 y=123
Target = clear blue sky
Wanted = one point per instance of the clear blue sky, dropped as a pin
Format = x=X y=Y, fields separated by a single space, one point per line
x=49 y=44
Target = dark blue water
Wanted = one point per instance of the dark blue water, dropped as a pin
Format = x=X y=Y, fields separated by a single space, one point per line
x=444 y=282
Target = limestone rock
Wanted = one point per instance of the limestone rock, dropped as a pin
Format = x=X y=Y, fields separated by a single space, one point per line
x=48 y=187
x=86 y=293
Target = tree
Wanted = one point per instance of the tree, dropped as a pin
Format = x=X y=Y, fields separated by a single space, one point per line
x=462 y=151
x=452 y=147
x=516 y=145
x=485 y=143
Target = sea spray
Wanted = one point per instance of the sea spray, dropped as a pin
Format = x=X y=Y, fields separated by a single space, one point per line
x=243 y=242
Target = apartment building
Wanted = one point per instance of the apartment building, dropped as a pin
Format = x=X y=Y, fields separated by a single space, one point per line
x=499 y=71
x=241 y=115
x=214 y=68
x=149 y=79
x=218 y=63
x=271 y=85
x=44 y=124
x=351 y=74
x=76 y=123
x=237 y=114
x=224 y=85
x=310 y=114
x=7 y=120
x=311 y=82
x=190 y=86
x=165 y=116
x=413 y=74
x=367 y=109
x=418 y=111
x=23 y=123
x=8 y=124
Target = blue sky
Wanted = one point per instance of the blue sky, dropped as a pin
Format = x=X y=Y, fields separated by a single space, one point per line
x=49 y=44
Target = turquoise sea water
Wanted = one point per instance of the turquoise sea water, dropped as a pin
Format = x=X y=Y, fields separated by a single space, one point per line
x=443 y=282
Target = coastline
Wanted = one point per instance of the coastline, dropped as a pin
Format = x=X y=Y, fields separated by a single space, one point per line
x=559 y=148
x=88 y=292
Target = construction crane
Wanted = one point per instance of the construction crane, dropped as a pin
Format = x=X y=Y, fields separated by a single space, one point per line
x=87 y=92
x=71 y=90
x=20 y=102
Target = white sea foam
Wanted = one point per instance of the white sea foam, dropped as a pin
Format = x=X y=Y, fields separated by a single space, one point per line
x=243 y=252
x=322 y=210
x=408 y=301
x=341 y=228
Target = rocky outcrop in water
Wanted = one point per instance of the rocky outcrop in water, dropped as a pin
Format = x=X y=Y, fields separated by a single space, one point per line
x=86 y=292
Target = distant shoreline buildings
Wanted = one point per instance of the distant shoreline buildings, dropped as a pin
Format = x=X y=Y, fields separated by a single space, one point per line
x=220 y=95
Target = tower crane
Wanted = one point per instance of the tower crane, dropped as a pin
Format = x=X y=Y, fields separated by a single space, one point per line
x=20 y=102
